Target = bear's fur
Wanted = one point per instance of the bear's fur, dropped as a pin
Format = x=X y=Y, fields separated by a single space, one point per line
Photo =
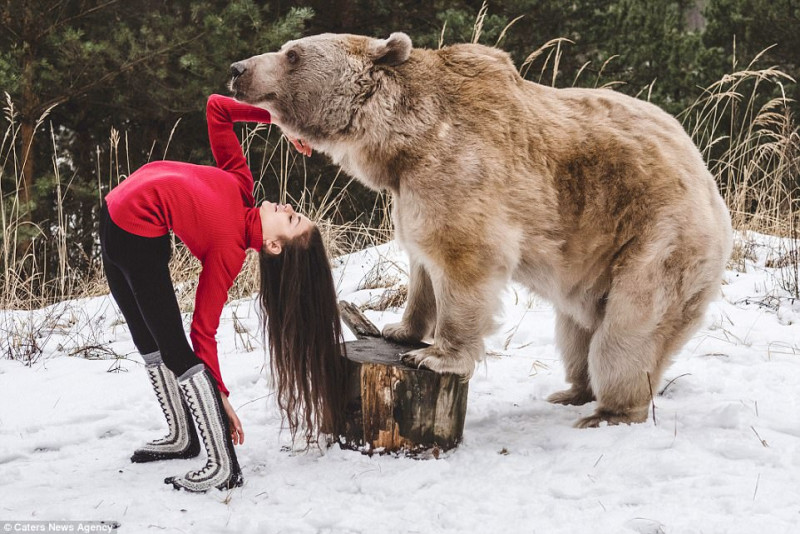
x=597 y=201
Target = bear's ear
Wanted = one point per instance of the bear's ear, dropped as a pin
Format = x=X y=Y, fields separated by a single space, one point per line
x=392 y=51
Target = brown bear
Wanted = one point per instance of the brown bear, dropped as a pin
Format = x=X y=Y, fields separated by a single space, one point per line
x=597 y=201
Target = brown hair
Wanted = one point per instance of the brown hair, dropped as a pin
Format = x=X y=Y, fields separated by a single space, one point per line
x=301 y=322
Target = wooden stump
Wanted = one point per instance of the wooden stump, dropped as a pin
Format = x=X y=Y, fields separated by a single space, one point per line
x=397 y=408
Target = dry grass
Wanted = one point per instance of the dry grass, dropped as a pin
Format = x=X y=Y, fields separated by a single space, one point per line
x=391 y=298
x=743 y=253
x=752 y=145
x=745 y=129
x=24 y=282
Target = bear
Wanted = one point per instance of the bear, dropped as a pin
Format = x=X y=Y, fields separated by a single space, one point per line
x=596 y=201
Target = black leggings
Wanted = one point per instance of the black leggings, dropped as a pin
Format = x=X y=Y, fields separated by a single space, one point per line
x=137 y=270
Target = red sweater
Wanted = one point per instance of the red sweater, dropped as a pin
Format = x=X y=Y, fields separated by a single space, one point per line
x=211 y=209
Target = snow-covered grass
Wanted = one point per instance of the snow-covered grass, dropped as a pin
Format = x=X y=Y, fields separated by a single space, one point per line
x=722 y=453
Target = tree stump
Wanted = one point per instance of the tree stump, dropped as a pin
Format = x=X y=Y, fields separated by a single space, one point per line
x=393 y=407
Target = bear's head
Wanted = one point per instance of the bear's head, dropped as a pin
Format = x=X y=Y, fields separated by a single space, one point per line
x=315 y=86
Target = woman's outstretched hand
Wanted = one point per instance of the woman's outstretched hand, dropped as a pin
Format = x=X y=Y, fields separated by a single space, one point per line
x=302 y=146
x=237 y=434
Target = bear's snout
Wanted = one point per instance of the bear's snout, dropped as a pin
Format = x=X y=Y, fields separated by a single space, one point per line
x=237 y=69
x=253 y=79
x=238 y=81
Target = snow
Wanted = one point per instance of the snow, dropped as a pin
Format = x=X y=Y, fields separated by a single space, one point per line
x=721 y=455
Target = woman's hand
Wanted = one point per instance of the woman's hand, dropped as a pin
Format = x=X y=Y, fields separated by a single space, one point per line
x=237 y=434
x=302 y=146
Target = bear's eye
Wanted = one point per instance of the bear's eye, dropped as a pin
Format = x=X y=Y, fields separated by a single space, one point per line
x=292 y=56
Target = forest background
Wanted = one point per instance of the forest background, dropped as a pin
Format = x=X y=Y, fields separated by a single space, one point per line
x=93 y=89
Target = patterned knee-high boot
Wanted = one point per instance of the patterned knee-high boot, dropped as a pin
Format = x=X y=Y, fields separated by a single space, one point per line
x=221 y=471
x=182 y=441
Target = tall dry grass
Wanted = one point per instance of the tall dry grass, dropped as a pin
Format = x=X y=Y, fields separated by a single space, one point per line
x=744 y=127
x=24 y=280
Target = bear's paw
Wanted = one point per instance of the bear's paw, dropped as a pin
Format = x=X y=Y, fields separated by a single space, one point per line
x=442 y=362
x=401 y=333
x=574 y=396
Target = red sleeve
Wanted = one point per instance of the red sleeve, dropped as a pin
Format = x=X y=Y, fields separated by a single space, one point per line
x=221 y=113
x=216 y=278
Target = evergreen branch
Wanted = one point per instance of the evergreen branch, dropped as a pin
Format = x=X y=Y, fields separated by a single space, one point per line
x=113 y=74
x=80 y=15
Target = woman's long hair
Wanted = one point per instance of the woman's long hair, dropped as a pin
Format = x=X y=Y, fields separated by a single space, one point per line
x=301 y=315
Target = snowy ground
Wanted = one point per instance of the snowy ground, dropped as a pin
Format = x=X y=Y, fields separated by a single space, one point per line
x=722 y=455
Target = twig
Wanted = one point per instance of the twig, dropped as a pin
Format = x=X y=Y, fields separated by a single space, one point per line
x=661 y=393
x=652 y=399
x=763 y=442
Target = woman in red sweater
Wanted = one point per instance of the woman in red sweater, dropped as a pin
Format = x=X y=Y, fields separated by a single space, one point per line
x=212 y=210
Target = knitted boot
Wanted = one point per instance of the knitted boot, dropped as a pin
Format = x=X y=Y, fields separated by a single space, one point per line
x=221 y=471
x=182 y=441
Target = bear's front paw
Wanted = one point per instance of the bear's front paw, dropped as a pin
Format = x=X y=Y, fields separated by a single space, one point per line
x=400 y=333
x=441 y=362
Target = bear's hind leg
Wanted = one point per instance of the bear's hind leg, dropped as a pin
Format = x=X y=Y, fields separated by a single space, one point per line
x=656 y=302
x=625 y=354
x=420 y=313
x=573 y=341
x=628 y=366
x=622 y=367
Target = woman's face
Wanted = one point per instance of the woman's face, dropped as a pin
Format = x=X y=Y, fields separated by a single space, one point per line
x=280 y=223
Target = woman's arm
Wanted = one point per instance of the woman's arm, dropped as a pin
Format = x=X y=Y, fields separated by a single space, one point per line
x=221 y=113
x=220 y=268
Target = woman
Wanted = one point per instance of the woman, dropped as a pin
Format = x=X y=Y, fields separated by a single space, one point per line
x=211 y=209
